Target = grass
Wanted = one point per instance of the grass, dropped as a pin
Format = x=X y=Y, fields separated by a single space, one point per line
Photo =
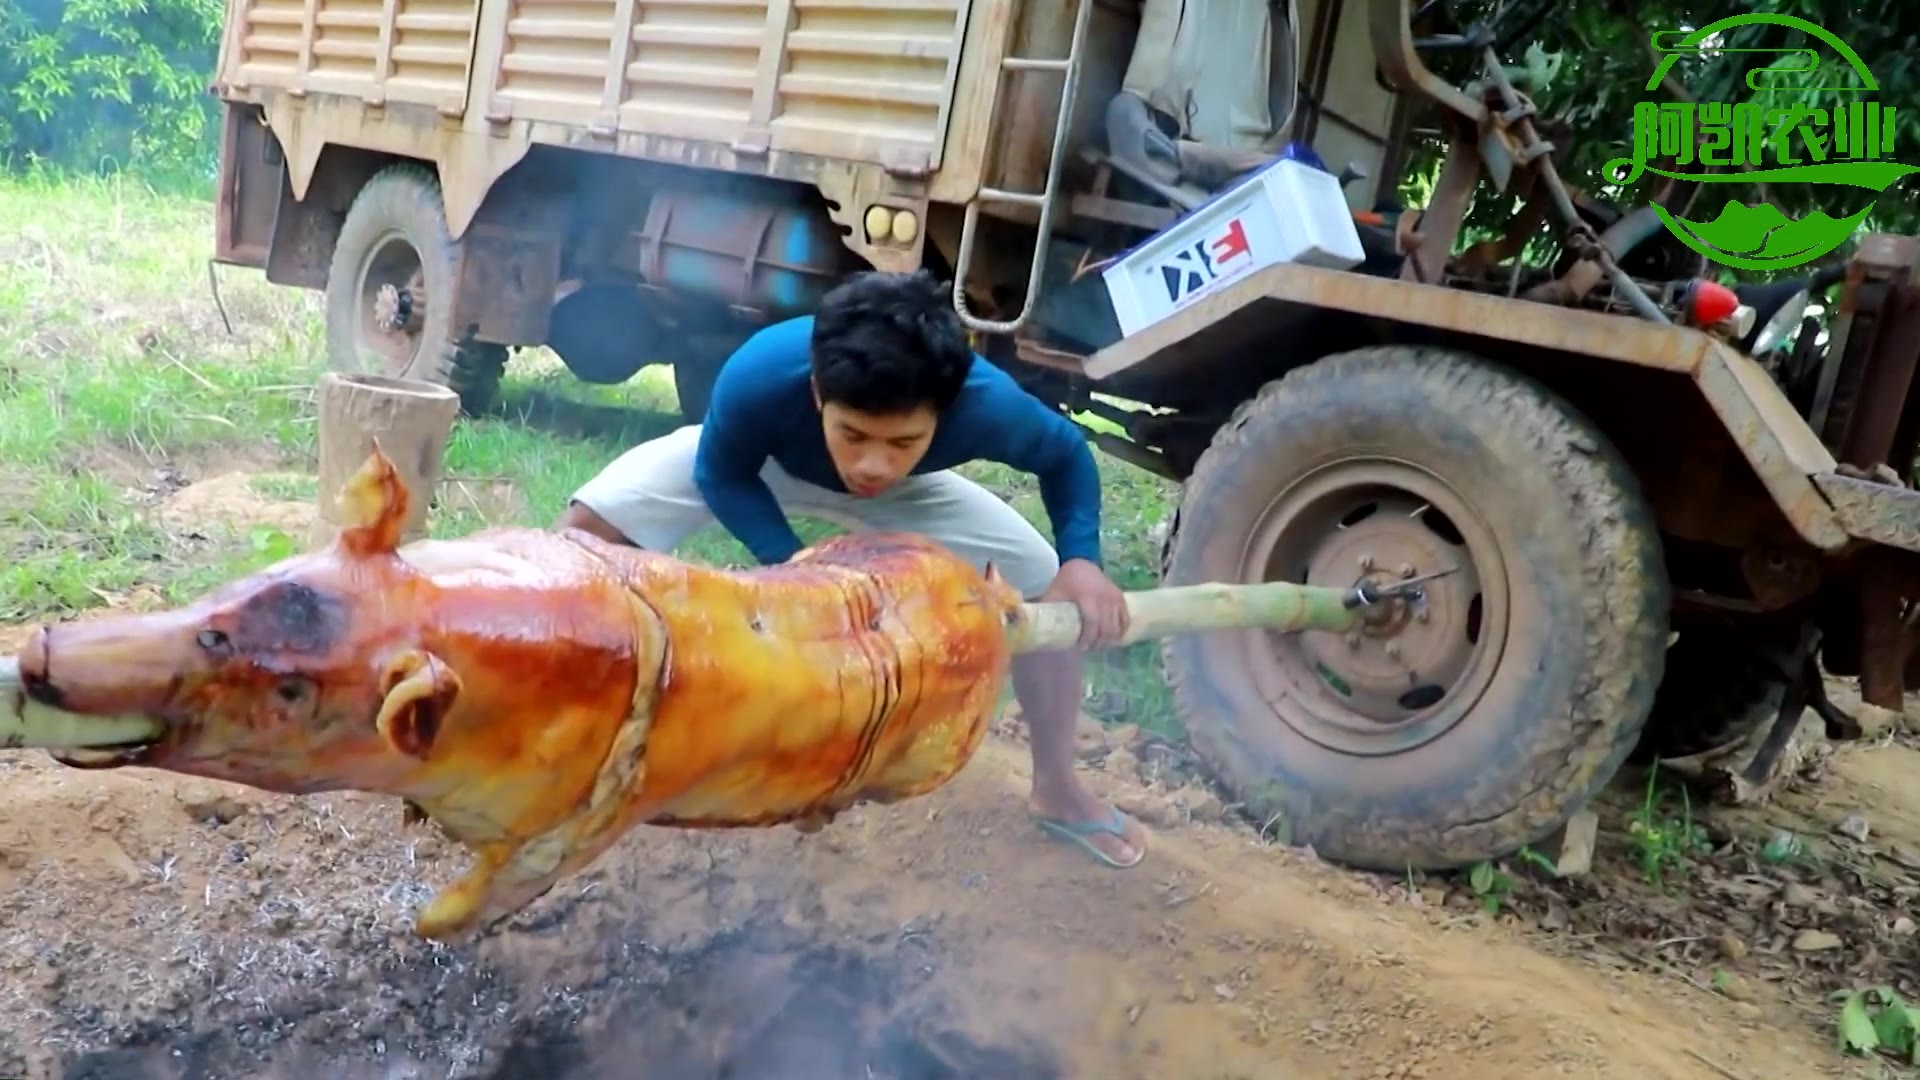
x=120 y=380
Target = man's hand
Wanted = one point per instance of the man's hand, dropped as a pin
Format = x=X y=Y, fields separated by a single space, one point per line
x=1103 y=607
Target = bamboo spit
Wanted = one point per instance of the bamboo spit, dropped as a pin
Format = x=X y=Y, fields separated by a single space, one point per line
x=1152 y=613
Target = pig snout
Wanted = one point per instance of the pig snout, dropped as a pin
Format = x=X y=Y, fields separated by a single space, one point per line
x=33 y=670
x=104 y=667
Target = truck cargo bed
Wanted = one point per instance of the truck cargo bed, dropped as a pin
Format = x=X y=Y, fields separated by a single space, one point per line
x=861 y=80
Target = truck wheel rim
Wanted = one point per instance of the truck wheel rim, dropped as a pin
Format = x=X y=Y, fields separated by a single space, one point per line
x=1414 y=671
x=389 y=306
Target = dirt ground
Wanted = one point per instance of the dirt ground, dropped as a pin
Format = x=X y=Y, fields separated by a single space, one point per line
x=154 y=926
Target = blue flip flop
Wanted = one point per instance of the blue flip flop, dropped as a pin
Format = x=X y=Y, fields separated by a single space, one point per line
x=1077 y=833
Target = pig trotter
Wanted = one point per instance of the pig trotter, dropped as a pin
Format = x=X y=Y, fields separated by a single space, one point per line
x=504 y=881
x=454 y=914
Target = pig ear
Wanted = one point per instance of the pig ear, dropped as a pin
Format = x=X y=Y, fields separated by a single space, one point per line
x=373 y=507
x=420 y=689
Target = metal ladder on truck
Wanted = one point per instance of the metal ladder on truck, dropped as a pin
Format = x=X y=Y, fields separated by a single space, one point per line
x=1044 y=200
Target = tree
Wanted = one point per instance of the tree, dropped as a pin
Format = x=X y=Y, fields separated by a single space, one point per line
x=107 y=85
x=1606 y=57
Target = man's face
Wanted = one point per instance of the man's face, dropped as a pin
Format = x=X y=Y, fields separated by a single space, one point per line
x=874 y=451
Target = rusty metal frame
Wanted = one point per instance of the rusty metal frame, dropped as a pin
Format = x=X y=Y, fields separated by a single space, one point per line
x=1594 y=333
x=1866 y=387
x=1775 y=442
x=1879 y=513
x=1391 y=31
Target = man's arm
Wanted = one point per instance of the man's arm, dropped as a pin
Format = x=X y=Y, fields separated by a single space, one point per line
x=735 y=442
x=1034 y=438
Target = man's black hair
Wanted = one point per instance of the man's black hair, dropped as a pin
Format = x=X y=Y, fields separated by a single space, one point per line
x=889 y=343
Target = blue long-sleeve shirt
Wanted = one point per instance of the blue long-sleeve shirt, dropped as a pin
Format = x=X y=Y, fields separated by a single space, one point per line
x=762 y=407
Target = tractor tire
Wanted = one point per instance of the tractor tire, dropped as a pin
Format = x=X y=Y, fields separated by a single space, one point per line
x=390 y=292
x=1450 y=731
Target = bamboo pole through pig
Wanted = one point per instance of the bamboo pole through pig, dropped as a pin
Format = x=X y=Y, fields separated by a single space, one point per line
x=1152 y=613
x=1184 y=609
x=27 y=724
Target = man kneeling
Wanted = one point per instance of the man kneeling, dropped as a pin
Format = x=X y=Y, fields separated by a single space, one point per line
x=857 y=414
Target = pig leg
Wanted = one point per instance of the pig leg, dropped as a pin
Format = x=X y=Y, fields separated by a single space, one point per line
x=570 y=846
x=504 y=883
x=454 y=912
x=506 y=878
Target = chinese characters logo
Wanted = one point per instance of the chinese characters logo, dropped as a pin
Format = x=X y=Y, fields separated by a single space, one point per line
x=1842 y=137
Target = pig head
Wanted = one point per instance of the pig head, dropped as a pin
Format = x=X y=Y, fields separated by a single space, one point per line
x=484 y=681
x=538 y=693
x=303 y=677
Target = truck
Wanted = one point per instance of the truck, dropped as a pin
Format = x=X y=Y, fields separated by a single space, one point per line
x=1649 y=510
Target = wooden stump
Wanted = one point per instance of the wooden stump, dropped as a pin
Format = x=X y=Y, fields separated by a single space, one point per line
x=413 y=421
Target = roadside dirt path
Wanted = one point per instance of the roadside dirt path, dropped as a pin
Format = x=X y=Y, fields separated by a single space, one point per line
x=154 y=926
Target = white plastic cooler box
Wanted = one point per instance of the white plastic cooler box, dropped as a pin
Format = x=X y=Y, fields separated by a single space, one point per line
x=1287 y=212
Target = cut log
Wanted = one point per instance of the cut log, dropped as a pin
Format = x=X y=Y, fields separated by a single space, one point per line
x=412 y=420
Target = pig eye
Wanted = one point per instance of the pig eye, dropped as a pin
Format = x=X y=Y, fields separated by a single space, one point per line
x=212 y=640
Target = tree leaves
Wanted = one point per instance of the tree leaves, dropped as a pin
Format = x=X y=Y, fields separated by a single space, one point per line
x=1609 y=58
x=1878 y=1020
x=100 y=85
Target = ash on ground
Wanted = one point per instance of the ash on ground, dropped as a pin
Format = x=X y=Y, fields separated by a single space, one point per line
x=756 y=1003
x=178 y=931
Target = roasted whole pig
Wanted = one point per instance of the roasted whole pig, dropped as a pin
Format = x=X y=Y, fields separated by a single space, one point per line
x=538 y=693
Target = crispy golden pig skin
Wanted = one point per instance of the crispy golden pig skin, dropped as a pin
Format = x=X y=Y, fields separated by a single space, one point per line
x=537 y=694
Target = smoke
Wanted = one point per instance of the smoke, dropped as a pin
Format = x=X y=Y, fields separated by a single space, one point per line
x=766 y=1001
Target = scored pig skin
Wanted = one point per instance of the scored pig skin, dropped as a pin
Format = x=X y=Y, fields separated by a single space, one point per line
x=537 y=694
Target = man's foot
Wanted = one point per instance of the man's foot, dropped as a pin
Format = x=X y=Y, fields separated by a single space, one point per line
x=1098 y=827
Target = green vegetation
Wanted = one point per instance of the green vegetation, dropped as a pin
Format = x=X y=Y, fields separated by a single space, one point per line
x=1595 y=61
x=1879 y=1020
x=1662 y=841
x=119 y=381
x=106 y=86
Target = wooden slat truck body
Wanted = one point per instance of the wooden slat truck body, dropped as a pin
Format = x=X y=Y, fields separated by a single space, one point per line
x=784 y=89
x=736 y=155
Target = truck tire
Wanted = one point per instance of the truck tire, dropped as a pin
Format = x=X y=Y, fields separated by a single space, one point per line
x=390 y=291
x=1440 y=738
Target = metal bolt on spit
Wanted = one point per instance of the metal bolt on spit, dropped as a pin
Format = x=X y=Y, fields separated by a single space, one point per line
x=1369 y=594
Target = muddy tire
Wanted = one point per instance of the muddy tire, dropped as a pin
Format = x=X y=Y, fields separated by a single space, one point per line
x=1426 y=741
x=390 y=291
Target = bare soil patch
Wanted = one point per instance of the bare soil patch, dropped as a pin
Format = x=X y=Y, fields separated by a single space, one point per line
x=159 y=926
x=168 y=927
